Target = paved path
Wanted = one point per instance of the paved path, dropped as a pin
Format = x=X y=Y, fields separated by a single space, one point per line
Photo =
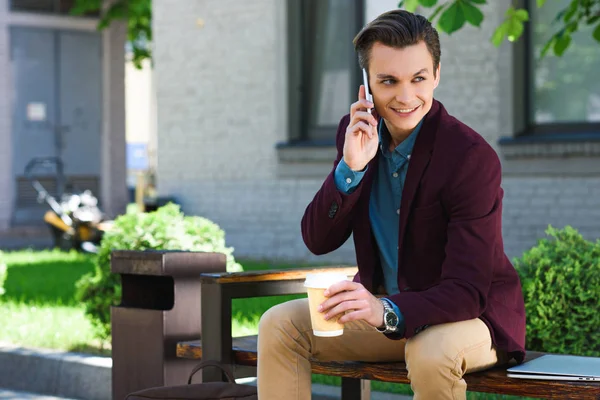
x=12 y=395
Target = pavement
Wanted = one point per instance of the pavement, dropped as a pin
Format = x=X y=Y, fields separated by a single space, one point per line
x=44 y=374
x=15 y=395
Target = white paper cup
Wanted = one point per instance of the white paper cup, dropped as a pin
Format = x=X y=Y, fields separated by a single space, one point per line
x=316 y=284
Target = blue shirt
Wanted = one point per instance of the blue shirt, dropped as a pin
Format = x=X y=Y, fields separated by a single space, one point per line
x=384 y=204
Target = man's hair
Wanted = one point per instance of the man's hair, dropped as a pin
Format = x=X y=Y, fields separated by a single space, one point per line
x=400 y=29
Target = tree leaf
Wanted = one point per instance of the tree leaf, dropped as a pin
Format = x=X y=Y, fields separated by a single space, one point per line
x=562 y=43
x=522 y=15
x=81 y=7
x=400 y=3
x=596 y=33
x=411 y=5
x=452 y=18
x=571 y=10
x=514 y=28
x=478 y=1
x=499 y=35
x=472 y=14
x=540 y=3
x=510 y=12
x=437 y=11
x=428 y=3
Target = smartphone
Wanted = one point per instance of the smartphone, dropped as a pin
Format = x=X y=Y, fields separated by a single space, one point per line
x=368 y=94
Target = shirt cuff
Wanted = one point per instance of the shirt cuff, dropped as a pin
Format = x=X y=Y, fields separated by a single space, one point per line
x=401 y=324
x=345 y=179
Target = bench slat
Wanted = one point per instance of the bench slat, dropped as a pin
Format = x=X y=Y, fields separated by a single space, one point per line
x=490 y=381
x=271 y=275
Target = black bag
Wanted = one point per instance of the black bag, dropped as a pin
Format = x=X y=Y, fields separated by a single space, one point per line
x=200 y=391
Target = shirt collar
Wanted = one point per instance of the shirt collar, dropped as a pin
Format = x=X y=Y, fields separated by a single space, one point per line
x=404 y=148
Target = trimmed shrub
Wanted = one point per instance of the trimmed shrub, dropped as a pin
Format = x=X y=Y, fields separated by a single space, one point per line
x=164 y=229
x=3 y=273
x=561 y=285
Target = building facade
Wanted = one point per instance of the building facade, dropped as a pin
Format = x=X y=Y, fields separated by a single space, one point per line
x=249 y=94
x=61 y=95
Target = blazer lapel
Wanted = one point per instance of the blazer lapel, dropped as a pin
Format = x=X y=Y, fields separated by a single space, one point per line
x=419 y=160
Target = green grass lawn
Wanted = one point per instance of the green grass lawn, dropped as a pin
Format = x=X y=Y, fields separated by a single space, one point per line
x=39 y=308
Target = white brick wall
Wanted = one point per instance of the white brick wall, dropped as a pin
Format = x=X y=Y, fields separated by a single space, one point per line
x=469 y=80
x=261 y=219
x=222 y=108
x=531 y=204
x=218 y=88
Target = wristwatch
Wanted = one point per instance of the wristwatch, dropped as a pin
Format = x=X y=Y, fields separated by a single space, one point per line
x=390 y=319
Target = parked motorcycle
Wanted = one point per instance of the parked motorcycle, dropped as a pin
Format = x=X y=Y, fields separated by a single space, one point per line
x=74 y=219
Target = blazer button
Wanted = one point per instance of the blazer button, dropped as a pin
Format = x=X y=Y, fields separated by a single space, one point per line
x=333 y=209
x=421 y=328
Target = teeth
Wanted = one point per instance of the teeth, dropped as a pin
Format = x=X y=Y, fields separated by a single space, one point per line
x=405 y=110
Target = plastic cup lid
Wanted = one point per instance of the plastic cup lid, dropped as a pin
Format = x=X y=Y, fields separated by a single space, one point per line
x=324 y=279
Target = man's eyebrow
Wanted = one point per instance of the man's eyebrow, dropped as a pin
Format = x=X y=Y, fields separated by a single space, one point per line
x=388 y=76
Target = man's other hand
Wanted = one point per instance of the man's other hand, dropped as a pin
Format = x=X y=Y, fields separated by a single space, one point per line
x=352 y=302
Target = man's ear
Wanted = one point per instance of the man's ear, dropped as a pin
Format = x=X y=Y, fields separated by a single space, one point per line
x=437 y=76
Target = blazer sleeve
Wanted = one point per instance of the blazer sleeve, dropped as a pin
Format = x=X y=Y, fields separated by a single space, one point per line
x=473 y=200
x=326 y=223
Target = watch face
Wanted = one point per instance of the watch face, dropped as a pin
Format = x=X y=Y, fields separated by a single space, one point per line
x=391 y=319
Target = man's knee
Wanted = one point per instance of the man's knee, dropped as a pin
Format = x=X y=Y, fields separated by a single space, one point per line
x=429 y=354
x=287 y=318
x=270 y=319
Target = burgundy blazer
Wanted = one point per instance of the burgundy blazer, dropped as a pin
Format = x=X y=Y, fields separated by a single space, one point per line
x=451 y=261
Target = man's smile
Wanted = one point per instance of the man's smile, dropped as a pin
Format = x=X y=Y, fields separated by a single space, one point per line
x=405 y=111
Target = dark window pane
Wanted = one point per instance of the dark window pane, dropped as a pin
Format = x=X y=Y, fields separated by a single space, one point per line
x=330 y=63
x=564 y=89
x=46 y=6
x=32 y=5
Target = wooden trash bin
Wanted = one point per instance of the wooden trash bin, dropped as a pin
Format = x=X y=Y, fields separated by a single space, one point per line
x=160 y=306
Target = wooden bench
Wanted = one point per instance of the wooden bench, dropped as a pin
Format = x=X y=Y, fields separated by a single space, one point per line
x=218 y=289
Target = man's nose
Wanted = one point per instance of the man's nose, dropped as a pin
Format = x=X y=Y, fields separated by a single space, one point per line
x=404 y=95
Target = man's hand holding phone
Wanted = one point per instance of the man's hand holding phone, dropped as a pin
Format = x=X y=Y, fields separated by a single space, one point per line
x=362 y=140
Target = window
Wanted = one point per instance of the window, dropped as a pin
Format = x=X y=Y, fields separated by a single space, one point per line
x=44 y=6
x=323 y=67
x=563 y=93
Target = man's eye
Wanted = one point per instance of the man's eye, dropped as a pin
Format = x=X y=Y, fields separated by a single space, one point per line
x=388 y=81
x=418 y=79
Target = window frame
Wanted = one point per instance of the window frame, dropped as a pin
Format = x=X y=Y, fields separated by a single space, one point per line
x=523 y=89
x=300 y=62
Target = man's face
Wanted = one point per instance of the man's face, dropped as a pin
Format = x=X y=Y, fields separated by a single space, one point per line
x=402 y=83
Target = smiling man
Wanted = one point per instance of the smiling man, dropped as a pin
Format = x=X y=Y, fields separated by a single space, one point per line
x=420 y=192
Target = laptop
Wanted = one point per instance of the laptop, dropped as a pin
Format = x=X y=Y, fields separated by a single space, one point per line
x=558 y=367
